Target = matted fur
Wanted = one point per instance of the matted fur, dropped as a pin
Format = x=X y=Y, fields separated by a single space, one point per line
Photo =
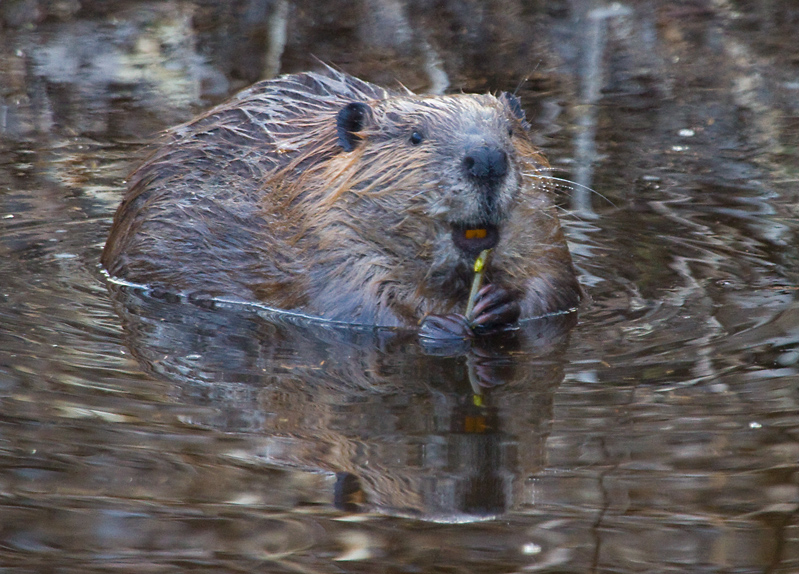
x=256 y=200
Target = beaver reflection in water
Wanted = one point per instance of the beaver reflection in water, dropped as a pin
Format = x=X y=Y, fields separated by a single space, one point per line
x=333 y=197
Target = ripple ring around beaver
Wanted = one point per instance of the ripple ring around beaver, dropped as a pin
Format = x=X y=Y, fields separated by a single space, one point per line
x=328 y=196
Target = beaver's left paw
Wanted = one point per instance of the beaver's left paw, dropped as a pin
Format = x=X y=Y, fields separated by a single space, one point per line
x=494 y=309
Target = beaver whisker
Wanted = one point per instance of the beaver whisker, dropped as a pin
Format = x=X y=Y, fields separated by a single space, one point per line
x=570 y=185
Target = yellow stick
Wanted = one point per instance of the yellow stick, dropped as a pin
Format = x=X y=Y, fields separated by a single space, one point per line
x=479 y=267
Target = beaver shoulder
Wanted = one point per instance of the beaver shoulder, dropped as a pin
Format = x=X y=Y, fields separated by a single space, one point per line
x=325 y=194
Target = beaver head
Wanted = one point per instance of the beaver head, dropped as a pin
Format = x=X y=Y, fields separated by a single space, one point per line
x=461 y=149
x=420 y=185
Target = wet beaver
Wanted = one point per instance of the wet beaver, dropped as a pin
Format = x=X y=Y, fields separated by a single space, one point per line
x=327 y=195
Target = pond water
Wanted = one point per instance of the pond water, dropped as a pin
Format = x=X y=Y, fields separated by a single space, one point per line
x=657 y=431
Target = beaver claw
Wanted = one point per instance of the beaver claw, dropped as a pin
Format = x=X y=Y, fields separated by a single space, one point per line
x=445 y=335
x=453 y=326
x=495 y=308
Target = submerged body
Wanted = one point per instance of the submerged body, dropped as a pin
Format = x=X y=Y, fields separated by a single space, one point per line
x=324 y=194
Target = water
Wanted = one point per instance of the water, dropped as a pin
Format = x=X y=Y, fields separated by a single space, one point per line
x=658 y=434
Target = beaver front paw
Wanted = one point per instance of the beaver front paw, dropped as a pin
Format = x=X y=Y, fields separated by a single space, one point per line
x=454 y=326
x=445 y=335
x=495 y=308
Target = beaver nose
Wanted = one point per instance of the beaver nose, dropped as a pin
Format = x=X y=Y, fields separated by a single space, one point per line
x=486 y=164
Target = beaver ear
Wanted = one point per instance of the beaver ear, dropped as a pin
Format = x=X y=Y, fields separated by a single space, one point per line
x=515 y=106
x=351 y=119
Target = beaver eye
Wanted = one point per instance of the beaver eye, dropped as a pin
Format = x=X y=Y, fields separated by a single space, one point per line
x=416 y=138
x=510 y=132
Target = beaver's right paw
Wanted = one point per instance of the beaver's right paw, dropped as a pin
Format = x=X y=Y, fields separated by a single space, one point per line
x=454 y=326
x=445 y=335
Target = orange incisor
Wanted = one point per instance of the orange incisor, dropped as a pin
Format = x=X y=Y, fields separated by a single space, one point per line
x=475 y=233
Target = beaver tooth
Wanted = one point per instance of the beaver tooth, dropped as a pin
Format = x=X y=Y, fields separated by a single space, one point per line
x=475 y=233
x=472 y=239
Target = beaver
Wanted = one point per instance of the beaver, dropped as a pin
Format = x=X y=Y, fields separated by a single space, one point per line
x=329 y=196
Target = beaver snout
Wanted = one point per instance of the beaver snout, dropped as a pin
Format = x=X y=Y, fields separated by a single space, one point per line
x=486 y=165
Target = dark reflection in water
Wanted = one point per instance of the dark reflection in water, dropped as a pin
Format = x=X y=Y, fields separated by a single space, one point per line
x=659 y=434
x=406 y=433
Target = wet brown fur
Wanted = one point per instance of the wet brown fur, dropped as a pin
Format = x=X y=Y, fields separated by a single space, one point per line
x=256 y=200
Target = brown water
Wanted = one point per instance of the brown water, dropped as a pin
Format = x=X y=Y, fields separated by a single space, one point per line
x=658 y=434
